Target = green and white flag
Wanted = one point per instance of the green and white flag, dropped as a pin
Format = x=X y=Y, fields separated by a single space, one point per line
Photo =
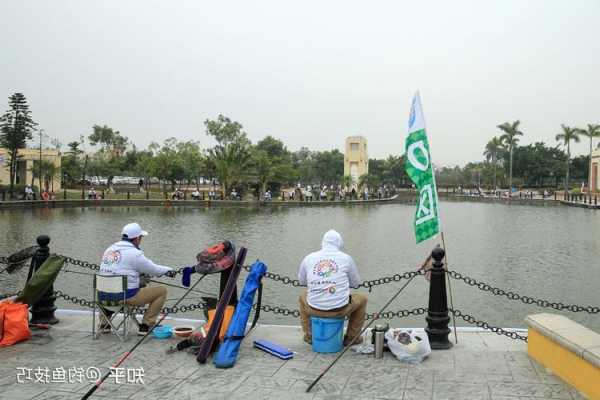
x=419 y=169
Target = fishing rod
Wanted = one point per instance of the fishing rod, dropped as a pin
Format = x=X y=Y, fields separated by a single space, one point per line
x=180 y=287
x=375 y=318
x=128 y=353
x=150 y=280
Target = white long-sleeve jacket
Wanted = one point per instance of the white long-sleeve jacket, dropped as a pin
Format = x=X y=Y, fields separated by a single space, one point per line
x=329 y=273
x=123 y=258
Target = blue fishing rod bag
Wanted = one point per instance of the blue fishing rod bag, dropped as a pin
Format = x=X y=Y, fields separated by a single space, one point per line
x=228 y=351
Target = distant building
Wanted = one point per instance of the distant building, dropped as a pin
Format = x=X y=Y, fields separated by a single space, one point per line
x=594 y=175
x=356 y=159
x=27 y=159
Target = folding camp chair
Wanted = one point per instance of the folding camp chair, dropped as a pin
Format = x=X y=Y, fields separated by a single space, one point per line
x=109 y=298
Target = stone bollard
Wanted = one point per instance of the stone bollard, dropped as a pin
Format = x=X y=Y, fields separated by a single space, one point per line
x=437 y=316
x=42 y=312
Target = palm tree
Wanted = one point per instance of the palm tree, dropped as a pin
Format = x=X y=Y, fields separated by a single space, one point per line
x=51 y=171
x=231 y=163
x=568 y=134
x=265 y=170
x=346 y=182
x=491 y=153
x=592 y=131
x=510 y=140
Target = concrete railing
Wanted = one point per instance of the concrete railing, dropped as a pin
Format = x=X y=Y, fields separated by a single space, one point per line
x=570 y=350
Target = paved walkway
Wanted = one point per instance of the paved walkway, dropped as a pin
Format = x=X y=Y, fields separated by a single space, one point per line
x=481 y=366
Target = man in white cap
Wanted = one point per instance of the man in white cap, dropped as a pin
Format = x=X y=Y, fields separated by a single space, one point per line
x=126 y=258
x=329 y=273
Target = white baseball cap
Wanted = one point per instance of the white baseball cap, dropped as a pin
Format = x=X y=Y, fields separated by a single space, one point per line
x=133 y=230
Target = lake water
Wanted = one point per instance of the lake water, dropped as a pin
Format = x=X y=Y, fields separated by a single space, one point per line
x=550 y=252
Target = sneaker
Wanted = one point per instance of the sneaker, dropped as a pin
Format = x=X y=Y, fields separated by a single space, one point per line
x=104 y=327
x=143 y=329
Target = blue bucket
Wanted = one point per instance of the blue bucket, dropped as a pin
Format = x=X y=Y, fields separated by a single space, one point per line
x=327 y=334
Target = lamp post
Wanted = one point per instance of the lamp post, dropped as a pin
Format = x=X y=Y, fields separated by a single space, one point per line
x=40 y=162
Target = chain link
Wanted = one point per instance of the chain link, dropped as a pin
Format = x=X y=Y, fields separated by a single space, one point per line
x=138 y=310
x=80 y=263
x=6 y=296
x=482 y=324
x=396 y=314
x=389 y=279
x=524 y=299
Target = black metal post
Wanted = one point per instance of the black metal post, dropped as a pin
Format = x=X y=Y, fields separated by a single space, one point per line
x=42 y=312
x=128 y=195
x=437 y=316
x=147 y=194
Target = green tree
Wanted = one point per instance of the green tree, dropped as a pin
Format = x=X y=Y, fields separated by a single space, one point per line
x=272 y=164
x=329 y=166
x=510 y=139
x=230 y=158
x=368 y=181
x=567 y=136
x=346 y=182
x=192 y=160
x=592 y=131
x=491 y=154
x=16 y=127
x=394 y=172
x=304 y=164
x=50 y=172
x=111 y=141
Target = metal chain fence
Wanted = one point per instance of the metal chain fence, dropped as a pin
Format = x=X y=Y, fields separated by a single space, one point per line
x=482 y=324
x=524 y=299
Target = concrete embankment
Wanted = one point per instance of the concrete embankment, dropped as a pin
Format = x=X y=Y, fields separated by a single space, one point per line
x=181 y=203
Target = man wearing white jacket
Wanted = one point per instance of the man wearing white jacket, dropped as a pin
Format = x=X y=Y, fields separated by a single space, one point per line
x=329 y=273
x=126 y=258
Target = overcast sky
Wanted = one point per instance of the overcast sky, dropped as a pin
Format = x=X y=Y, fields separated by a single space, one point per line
x=309 y=73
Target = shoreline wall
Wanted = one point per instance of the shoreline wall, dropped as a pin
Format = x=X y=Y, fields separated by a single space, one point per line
x=406 y=197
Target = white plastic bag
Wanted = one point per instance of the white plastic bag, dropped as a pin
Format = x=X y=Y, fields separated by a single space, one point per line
x=408 y=346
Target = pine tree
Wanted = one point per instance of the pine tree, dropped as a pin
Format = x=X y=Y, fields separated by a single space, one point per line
x=16 y=127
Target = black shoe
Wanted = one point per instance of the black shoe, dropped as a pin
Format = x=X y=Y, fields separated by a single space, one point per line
x=104 y=327
x=143 y=329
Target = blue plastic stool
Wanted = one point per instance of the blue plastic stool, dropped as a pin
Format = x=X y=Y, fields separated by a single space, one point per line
x=327 y=334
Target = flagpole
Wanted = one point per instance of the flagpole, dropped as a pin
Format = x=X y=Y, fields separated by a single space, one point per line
x=449 y=288
x=437 y=203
